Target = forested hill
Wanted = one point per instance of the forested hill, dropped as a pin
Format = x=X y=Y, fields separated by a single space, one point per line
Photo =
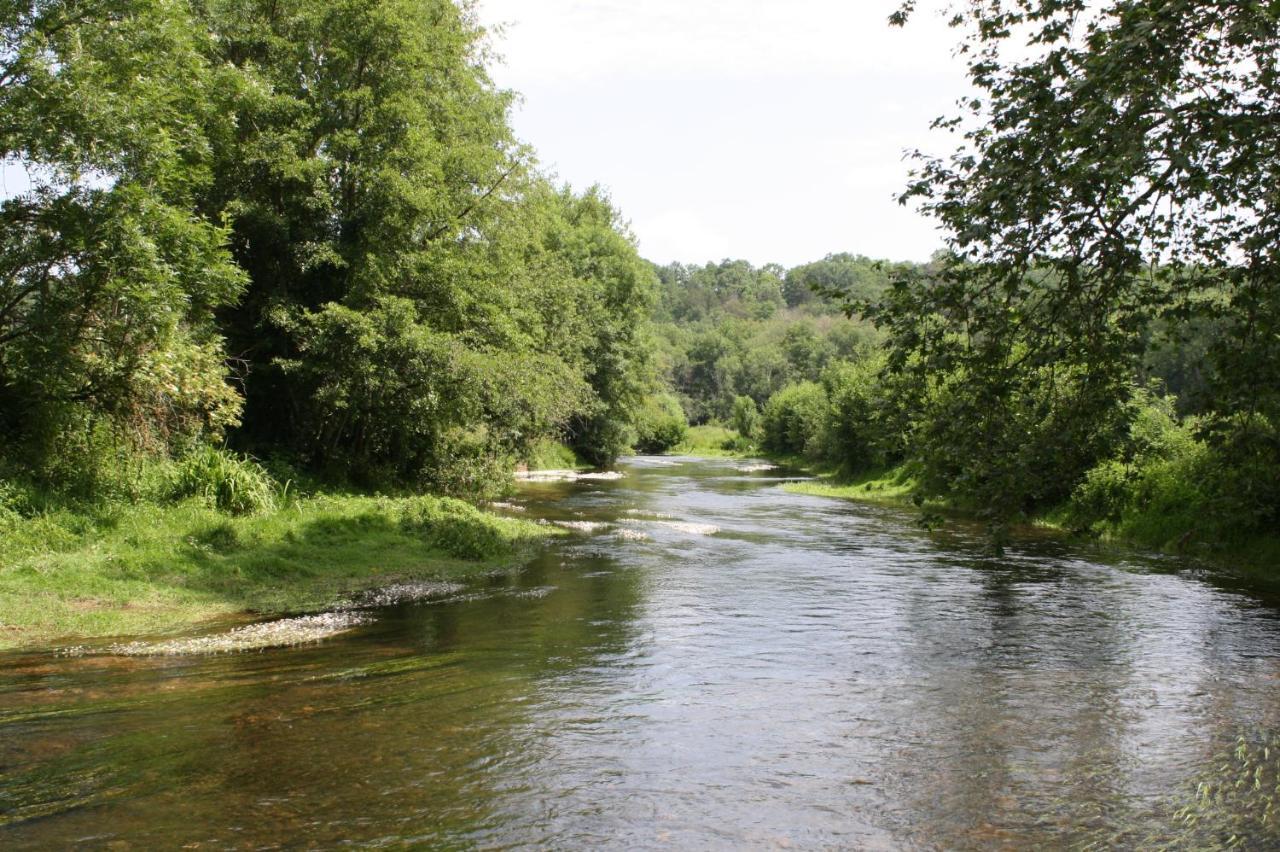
x=732 y=330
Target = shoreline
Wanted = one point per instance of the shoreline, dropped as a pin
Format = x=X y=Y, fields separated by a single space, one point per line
x=143 y=571
x=1258 y=557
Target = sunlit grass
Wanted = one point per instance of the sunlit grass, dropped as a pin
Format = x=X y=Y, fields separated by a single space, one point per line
x=893 y=486
x=714 y=442
x=128 y=569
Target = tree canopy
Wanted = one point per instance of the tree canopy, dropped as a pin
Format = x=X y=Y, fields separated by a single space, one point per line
x=1114 y=182
x=304 y=227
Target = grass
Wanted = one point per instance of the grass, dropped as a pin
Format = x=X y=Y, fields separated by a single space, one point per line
x=552 y=455
x=714 y=442
x=891 y=486
x=141 y=568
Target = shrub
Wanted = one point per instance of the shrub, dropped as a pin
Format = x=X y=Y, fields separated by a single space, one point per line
x=225 y=481
x=546 y=454
x=793 y=419
x=745 y=417
x=660 y=424
x=852 y=429
x=457 y=528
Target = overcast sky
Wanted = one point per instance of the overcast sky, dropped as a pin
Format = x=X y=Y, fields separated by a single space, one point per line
x=771 y=130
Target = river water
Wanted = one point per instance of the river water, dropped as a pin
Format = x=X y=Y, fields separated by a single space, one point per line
x=725 y=665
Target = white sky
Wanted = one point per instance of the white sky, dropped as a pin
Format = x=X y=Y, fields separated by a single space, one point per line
x=771 y=130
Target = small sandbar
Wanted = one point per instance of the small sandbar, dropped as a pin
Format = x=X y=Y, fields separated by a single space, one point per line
x=506 y=506
x=302 y=630
x=755 y=468
x=567 y=475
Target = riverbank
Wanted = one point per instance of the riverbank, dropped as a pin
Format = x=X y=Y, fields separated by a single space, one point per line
x=715 y=442
x=1151 y=530
x=130 y=569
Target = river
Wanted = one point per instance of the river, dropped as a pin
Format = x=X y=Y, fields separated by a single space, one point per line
x=721 y=665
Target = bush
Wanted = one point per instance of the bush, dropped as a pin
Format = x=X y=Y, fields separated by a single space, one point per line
x=793 y=420
x=853 y=429
x=457 y=528
x=225 y=481
x=546 y=454
x=745 y=417
x=660 y=424
x=1162 y=487
x=17 y=501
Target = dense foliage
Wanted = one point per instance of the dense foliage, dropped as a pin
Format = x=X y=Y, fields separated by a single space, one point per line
x=302 y=227
x=730 y=330
x=1112 y=202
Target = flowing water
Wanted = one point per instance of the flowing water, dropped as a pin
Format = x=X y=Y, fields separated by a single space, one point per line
x=714 y=663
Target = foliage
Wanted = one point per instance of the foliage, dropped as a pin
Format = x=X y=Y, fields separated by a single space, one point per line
x=226 y=481
x=107 y=279
x=1109 y=183
x=793 y=419
x=660 y=424
x=549 y=454
x=725 y=331
x=745 y=417
x=325 y=196
x=846 y=274
x=854 y=437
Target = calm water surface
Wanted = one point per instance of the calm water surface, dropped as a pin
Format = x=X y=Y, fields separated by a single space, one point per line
x=812 y=674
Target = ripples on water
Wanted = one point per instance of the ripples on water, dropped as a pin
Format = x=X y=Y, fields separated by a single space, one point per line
x=751 y=669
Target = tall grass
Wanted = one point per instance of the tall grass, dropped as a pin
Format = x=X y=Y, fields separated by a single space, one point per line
x=228 y=482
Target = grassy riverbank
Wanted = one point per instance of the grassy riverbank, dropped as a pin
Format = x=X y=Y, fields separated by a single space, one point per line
x=1151 y=529
x=714 y=442
x=123 y=568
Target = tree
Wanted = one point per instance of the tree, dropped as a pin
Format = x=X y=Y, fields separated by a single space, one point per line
x=422 y=304
x=108 y=278
x=1118 y=165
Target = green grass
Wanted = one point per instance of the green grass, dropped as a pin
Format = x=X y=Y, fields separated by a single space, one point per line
x=713 y=442
x=552 y=455
x=139 y=568
x=891 y=486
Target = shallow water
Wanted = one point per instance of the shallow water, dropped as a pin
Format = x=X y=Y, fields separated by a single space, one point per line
x=719 y=664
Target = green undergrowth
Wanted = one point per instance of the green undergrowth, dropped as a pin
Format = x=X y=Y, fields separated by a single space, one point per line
x=122 y=568
x=553 y=455
x=714 y=442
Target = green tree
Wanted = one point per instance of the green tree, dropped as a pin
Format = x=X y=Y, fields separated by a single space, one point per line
x=745 y=418
x=1110 y=174
x=108 y=278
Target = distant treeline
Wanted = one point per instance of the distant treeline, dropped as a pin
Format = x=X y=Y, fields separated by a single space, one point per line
x=302 y=229
x=1100 y=340
x=1158 y=455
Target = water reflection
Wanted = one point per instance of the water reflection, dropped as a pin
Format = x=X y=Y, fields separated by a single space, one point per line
x=812 y=674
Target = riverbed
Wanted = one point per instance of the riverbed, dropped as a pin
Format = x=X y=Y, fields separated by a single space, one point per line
x=706 y=661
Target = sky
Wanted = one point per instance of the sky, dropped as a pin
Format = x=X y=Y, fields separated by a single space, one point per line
x=770 y=130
